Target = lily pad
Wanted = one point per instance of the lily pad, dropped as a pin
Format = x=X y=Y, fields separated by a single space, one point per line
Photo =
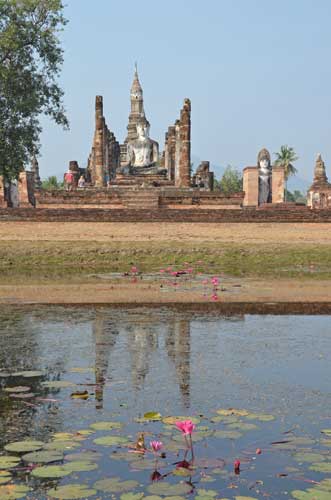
x=325 y=485
x=111 y=440
x=173 y=420
x=308 y=457
x=51 y=472
x=326 y=442
x=18 y=388
x=326 y=431
x=232 y=411
x=57 y=384
x=72 y=492
x=129 y=456
x=61 y=446
x=7 y=462
x=132 y=496
x=43 y=457
x=245 y=498
x=85 y=456
x=227 y=434
x=152 y=416
x=5 y=476
x=207 y=493
x=145 y=464
x=81 y=466
x=106 y=426
x=24 y=446
x=167 y=489
x=13 y=491
x=321 y=467
x=310 y=494
x=262 y=417
x=115 y=485
x=243 y=426
x=28 y=374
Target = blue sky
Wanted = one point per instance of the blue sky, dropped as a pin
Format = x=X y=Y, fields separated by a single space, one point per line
x=258 y=74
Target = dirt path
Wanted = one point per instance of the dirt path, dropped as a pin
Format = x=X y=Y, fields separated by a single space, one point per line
x=263 y=233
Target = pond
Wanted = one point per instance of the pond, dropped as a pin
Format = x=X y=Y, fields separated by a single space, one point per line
x=84 y=391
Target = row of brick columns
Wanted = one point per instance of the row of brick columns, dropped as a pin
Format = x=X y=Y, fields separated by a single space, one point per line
x=178 y=148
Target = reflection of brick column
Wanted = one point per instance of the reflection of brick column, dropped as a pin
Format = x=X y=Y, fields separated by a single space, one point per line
x=185 y=146
x=98 y=143
x=278 y=184
x=251 y=186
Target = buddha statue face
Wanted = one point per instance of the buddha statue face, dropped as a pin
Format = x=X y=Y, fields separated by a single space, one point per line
x=142 y=131
x=264 y=161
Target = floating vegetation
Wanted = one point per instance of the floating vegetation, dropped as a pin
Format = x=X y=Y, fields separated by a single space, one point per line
x=71 y=492
x=115 y=485
x=24 y=446
x=43 y=457
x=106 y=426
x=13 y=491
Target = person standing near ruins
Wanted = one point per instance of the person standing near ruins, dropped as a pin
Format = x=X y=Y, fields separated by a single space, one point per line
x=68 y=180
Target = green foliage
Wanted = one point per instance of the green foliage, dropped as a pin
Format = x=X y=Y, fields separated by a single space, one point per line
x=285 y=158
x=296 y=196
x=231 y=181
x=51 y=183
x=30 y=62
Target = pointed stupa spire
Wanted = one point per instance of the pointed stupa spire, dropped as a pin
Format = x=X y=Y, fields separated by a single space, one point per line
x=136 y=89
x=319 y=170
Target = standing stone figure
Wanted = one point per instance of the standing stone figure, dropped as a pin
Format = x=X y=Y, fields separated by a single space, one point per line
x=265 y=171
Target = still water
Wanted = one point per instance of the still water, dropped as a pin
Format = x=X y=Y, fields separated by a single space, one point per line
x=70 y=379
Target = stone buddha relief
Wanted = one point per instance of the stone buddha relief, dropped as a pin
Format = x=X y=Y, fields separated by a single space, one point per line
x=265 y=172
x=143 y=152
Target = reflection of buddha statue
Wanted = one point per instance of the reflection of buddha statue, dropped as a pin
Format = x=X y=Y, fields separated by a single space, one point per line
x=265 y=169
x=143 y=152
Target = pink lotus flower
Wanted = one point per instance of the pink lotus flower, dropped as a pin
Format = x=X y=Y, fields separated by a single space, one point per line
x=156 y=446
x=236 y=466
x=162 y=270
x=186 y=426
x=134 y=269
x=214 y=297
x=215 y=281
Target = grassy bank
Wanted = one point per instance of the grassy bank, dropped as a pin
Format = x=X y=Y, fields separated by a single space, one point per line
x=25 y=261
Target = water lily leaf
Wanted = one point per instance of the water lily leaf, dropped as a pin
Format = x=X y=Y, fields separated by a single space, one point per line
x=243 y=426
x=175 y=497
x=144 y=464
x=294 y=442
x=222 y=418
x=72 y=492
x=153 y=416
x=308 y=457
x=153 y=497
x=24 y=446
x=80 y=395
x=326 y=431
x=262 y=417
x=310 y=494
x=325 y=485
x=207 y=493
x=128 y=456
x=85 y=456
x=83 y=432
x=245 y=498
x=43 y=457
x=115 y=485
x=132 y=496
x=173 y=420
x=28 y=374
x=63 y=436
x=61 y=446
x=227 y=434
x=326 y=442
x=232 y=411
x=321 y=467
x=80 y=466
x=7 y=462
x=5 y=476
x=13 y=491
x=18 y=388
x=167 y=489
x=57 y=384
x=50 y=472
x=106 y=426
x=111 y=440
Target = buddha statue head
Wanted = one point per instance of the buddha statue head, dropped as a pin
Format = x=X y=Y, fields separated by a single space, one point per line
x=143 y=127
x=264 y=161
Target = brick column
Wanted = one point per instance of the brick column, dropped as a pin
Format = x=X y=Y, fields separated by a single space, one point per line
x=185 y=146
x=98 y=143
x=177 y=154
x=3 y=202
x=251 y=186
x=26 y=189
x=278 y=184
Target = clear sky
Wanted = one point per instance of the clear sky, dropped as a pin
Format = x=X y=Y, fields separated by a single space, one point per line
x=258 y=74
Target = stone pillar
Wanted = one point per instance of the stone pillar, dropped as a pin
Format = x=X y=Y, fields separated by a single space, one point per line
x=26 y=189
x=74 y=169
x=251 y=186
x=3 y=202
x=99 y=143
x=185 y=146
x=278 y=184
x=172 y=151
x=177 y=153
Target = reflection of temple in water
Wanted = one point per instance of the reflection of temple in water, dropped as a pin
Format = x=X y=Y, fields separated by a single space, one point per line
x=144 y=333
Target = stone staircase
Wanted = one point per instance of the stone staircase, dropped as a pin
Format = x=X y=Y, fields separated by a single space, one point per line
x=140 y=199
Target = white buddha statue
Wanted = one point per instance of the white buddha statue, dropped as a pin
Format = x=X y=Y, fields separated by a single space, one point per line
x=265 y=171
x=143 y=152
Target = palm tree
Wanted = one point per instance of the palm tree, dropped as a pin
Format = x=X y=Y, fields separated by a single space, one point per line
x=285 y=158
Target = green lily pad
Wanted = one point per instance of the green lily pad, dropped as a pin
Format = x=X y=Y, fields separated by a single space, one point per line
x=325 y=485
x=18 y=388
x=115 y=485
x=310 y=494
x=232 y=411
x=28 y=374
x=106 y=426
x=261 y=417
x=5 y=476
x=51 y=472
x=72 y=492
x=43 y=457
x=24 y=446
x=173 y=420
x=224 y=419
x=245 y=498
x=13 y=491
x=326 y=431
x=227 y=434
x=167 y=489
x=132 y=496
x=152 y=416
x=144 y=464
x=57 y=384
x=80 y=466
x=183 y=471
x=111 y=440
x=321 y=467
x=326 y=442
x=85 y=456
x=61 y=446
x=308 y=457
x=7 y=462
x=243 y=426
x=152 y=497
x=294 y=442
x=207 y=493
x=128 y=456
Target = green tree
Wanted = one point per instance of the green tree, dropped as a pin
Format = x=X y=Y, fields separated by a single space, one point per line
x=285 y=158
x=231 y=181
x=51 y=183
x=30 y=61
